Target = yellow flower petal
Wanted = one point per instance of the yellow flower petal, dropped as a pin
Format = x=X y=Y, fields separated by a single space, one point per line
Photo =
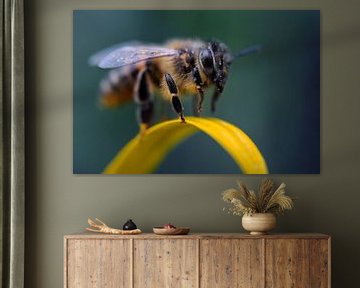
x=141 y=156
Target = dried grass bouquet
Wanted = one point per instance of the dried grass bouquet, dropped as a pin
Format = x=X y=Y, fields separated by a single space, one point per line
x=246 y=202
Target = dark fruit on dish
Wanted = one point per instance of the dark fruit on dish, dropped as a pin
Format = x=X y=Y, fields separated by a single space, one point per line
x=129 y=225
x=169 y=226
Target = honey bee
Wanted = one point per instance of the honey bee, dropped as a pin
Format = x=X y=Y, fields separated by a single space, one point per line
x=180 y=67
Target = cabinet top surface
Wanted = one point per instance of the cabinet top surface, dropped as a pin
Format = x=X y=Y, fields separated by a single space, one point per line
x=86 y=235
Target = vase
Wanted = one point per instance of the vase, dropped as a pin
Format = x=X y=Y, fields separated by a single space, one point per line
x=259 y=223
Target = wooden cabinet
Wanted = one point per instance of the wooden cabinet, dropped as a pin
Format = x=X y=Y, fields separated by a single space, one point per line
x=98 y=263
x=165 y=263
x=231 y=263
x=197 y=260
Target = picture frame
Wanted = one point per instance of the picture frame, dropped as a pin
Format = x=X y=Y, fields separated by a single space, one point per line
x=103 y=94
x=12 y=135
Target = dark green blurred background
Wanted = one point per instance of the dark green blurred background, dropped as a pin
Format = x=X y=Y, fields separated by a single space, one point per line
x=274 y=96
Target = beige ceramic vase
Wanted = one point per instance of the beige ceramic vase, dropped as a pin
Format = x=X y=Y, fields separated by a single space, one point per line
x=259 y=223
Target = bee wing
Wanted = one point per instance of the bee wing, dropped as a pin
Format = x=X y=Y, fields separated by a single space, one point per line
x=130 y=55
x=95 y=59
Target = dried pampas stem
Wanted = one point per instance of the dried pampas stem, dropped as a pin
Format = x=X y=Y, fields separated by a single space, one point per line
x=101 y=227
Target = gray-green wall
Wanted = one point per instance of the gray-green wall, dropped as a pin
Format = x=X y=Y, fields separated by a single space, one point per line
x=58 y=203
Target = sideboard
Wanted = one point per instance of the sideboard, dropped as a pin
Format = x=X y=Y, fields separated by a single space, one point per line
x=197 y=260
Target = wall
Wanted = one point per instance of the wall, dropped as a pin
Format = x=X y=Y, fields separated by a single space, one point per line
x=59 y=203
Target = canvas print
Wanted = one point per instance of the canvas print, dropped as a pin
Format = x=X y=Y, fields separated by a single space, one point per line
x=196 y=92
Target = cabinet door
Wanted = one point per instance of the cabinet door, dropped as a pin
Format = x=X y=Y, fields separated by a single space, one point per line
x=287 y=263
x=165 y=263
x=98 y=263
x=231 y=263
x=320 y=263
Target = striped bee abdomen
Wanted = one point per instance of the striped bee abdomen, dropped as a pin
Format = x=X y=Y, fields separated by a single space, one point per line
x=118 y=87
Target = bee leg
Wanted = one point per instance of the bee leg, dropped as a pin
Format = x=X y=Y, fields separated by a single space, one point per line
x=144 y=101
x=145 y=113
x=175 y=100
x=214 y=98
x=199 y=84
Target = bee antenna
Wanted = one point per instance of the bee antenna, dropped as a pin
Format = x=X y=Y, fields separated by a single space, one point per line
x=246 y=51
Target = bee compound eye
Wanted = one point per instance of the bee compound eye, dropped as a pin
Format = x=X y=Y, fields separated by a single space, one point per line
x=207 y=61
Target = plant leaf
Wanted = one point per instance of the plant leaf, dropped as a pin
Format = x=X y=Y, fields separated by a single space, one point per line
x=248 y=196
x=279 y=201
x=144 y=154
x=229 y=194
x=265 y=193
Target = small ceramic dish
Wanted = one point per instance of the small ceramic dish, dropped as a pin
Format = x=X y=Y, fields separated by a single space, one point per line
x=171 y=231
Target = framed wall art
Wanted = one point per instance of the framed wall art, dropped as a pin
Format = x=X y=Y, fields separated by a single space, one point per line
x=141 y=78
